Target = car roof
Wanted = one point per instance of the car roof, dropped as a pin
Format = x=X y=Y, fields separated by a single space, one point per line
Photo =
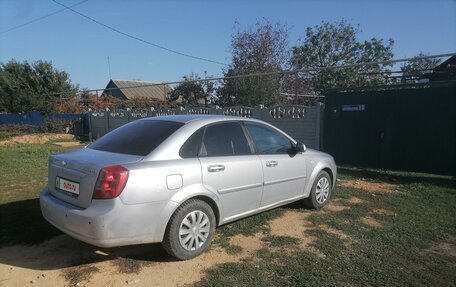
x=194 y=118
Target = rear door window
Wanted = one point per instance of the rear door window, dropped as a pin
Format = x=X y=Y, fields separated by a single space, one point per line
x=224 y=139
x=136 y=138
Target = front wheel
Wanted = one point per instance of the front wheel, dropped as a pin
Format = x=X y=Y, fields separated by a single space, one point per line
x=190 y=230
x=321 y=191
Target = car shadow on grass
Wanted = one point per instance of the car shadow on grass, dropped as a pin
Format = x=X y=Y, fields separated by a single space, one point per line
x=29 y=241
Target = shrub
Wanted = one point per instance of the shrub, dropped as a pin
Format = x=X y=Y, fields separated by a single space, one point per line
x=58 y=125
x=9 y=131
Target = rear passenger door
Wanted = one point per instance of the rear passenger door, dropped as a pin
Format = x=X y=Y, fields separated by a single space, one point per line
x=284 y=169
x=230 y=169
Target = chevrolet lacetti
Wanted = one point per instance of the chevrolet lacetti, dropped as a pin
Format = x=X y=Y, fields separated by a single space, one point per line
x=173 y=179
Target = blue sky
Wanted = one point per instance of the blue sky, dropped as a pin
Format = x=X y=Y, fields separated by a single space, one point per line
x=200 y=28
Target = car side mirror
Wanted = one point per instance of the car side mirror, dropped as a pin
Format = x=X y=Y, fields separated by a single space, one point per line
x=300 y=147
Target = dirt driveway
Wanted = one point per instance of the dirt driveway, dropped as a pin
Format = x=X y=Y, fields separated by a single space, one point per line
x=64 y=261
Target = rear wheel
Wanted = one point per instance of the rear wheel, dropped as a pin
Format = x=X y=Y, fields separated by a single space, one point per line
x=190 y=230
x=321 y=191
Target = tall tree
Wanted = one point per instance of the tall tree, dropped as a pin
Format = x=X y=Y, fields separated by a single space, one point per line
x=193 y=91
x=335 y=44
x=259 y=50
x=22 y=86
x=417 y=67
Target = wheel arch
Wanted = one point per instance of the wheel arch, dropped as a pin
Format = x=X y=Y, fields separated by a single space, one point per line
x=331 y=174
x=193 y=192
x=211 y=203
x=321 y=166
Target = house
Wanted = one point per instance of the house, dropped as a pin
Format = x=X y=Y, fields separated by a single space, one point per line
x=128 y=90
x=446 y=71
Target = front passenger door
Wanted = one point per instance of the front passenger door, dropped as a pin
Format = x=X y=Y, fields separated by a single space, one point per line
x=284 y=169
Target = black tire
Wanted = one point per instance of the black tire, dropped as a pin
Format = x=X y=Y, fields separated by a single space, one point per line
x=172 y=239
x=315 y=199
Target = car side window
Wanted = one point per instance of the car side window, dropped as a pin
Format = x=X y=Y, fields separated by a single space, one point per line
x=191 y=147
x=269 y=141
x=225 y=139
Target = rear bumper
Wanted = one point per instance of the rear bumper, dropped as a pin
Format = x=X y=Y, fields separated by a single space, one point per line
x=106 y=223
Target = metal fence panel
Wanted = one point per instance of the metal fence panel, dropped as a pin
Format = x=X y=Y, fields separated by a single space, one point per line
x=411 y=127
x=300 y=122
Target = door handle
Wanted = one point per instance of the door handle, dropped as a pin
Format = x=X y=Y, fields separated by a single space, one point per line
x=271 y=163
x=216 y=168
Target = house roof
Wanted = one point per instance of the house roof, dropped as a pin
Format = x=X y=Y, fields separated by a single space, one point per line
x=448 y=64
x=445 y=71
x=142 y=89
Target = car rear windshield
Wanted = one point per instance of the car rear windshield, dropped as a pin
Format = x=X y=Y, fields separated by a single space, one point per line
x=136 y=138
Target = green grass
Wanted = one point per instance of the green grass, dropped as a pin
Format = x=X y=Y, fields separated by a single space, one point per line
x=251 y=225
x=421 y=216
x=247 y=226
x=23 y=174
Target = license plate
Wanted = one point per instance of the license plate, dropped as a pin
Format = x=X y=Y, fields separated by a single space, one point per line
x=66 y=185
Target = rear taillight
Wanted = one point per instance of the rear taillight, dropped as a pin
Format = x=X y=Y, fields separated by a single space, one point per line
x=111 y=182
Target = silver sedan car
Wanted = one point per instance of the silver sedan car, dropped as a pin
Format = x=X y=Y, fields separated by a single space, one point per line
x=173 y=179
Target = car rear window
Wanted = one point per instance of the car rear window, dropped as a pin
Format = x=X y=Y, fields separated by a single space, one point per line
x=136 y=138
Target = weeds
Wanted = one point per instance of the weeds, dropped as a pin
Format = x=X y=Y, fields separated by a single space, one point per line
x=128 y=265
x=79 y=274
x=280 y=241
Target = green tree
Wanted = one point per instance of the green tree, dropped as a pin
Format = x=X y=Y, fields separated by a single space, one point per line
x=416 y=68
x=194 y=91
x=335 y=44
x=23 y=86
x=259 y=50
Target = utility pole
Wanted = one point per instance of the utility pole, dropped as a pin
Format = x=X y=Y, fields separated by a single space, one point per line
x=109 y=68
x=296 y=81
x=205 y=89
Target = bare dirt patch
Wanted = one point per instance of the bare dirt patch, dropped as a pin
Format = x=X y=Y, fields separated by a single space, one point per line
x=36 y=139
x=381 y=211
x=381 y=187
x=63 y=261
x=249 y=244
x=68 y=144
x=293 y=224
x=165 y=273
x=355 y=200
x=79 y=275
x=445 y=249
x=336 y=232
x=336 y=208
x=371 y=222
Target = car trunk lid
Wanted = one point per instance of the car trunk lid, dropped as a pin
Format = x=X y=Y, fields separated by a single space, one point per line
x=72 y=175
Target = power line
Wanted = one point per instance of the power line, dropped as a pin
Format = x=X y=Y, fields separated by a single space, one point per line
x=40 y=18
x=140 y=39
x=285 y=72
